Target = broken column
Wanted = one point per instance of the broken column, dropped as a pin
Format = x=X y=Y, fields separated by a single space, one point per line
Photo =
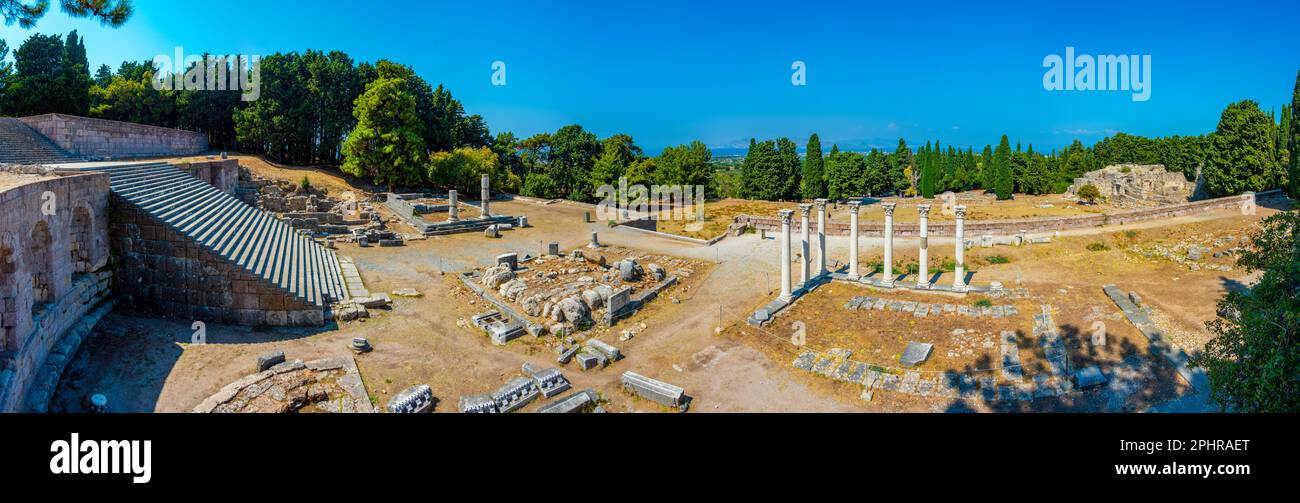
x=959 y=285
x=787 y=290
x=853 y=239
x=486 y=195
x=923 y=273
x=453 y=208
x=821 y=237
x=595 y=241
x=887 y=278
x=805 y=258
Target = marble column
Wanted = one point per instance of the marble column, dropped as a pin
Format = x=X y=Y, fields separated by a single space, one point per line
x=923 y=272
x=854 y=206
x=821 y=237
x=887 y=278
x=787 y=290
x=959 y=285
x=805 y=258
x=453 y=207
x=486 y=196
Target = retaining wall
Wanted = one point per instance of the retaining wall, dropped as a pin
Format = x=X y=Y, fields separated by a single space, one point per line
x=105 y=139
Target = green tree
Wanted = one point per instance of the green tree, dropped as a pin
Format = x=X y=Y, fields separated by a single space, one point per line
x=813 y=185
x=26 y=12
x=685 y=165
x=846 y=174
x=1253 y=363
x=761 y=175
x=1003 y=185
x=386 y=145
x=1242 y=154
x=50 y=77
x=6 y=71
x=463 y=169
x=1293 y=141
x=791 y=169
x=616 y=154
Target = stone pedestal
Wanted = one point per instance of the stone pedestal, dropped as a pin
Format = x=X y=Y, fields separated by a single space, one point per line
x=821 y=237
x=787 y=289
x=805 y=257
x=486 y=196
x=959 y=284
x=453 y=208
x=887 y=274
x=853 y=239
x=923 y=271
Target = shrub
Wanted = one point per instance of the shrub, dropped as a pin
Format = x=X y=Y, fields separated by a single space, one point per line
x=984 y=303
x=1098 y=247
x=1089 y=193
x=997 y=259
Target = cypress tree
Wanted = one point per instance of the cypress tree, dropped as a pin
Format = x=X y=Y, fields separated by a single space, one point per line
x=813 y=185
x=1003 y=185
x=1293 y=142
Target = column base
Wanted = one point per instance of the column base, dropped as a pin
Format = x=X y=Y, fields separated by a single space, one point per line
x=886 y=283
x=786 y=298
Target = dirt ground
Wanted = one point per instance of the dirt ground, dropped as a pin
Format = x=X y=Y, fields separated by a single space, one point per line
x=698 y=344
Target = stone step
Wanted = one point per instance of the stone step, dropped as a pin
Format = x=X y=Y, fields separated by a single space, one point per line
x=248 y=237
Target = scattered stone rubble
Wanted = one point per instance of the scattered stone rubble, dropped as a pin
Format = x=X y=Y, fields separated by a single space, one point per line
x=922 y=310
x=326 y=385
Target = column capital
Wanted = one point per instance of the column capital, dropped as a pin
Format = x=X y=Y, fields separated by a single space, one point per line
x=960 y=211
x=924 y=210
x=889 y=208
x=821 y=204
x=855 y=206
x=805 y=210
x=786 y=216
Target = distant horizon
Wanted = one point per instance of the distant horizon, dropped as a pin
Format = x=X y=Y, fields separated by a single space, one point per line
x=965 y=76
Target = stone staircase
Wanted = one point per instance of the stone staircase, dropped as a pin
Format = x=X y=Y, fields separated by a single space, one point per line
x=20 y=144
x=246 y=236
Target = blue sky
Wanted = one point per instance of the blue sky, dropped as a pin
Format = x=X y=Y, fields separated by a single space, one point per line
x=669 y=72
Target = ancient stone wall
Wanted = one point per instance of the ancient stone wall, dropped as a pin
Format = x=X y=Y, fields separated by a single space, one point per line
x=105 y=139
x=160 y=271
x=1007 y=227
x=53 y=268
x=222 y=174
x=1134 y=185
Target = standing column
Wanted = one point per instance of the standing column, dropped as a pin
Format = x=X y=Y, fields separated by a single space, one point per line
x=805 y=259
x=486 y=195
x=453 y=208
x=821 y=237
x=959 y=285
x=853 y=239
x=887 y=279
x=787 y=290
x=923 y=273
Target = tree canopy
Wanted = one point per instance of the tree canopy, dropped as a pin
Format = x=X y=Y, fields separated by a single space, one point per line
x=109 y=12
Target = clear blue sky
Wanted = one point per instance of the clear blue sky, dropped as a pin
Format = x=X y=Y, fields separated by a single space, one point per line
x=669 y=72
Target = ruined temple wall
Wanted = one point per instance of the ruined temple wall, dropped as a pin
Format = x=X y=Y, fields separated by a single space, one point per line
x=52 y=270
x=105 y=139
x=160 y=271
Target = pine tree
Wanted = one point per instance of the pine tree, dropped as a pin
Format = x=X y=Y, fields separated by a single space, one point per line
x=813 y=185
x=1243 y=156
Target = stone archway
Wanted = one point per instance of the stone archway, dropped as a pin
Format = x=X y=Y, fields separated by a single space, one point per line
x=40 y=262
x=81 y=243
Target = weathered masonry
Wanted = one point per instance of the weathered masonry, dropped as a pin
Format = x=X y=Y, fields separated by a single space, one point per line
x=54 y=279
x=187 y=249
